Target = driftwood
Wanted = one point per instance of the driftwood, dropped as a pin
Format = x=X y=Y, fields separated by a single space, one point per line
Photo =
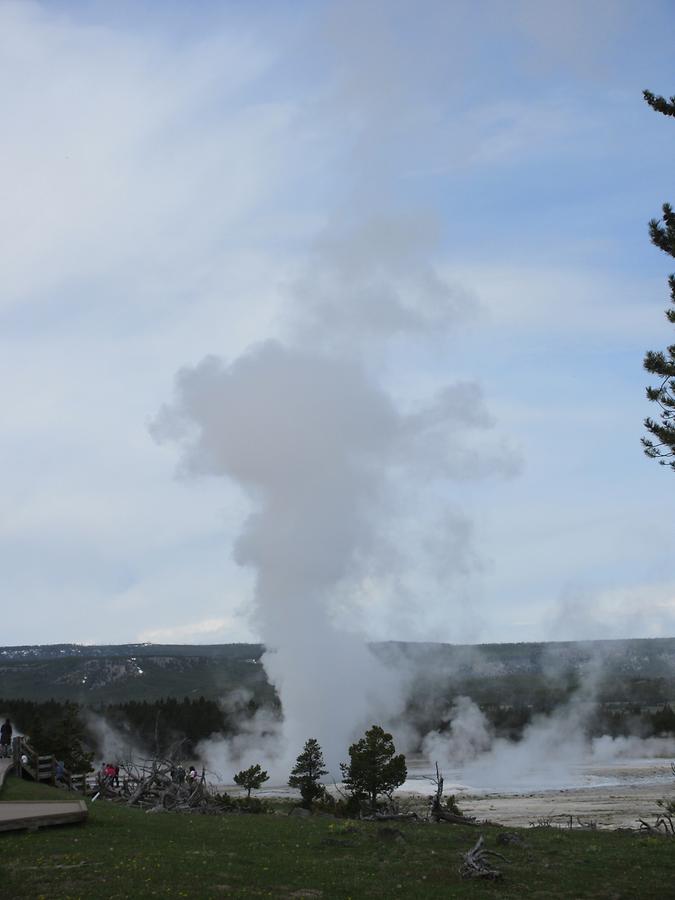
x=142 y=789
x=159 y=785
x=476 y=863
x=663 y=826
x=442 y=816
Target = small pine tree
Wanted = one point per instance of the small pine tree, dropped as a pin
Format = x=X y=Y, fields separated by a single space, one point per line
x=661 y=444
x=373 y=768
x=309 y=768
x=251 y=779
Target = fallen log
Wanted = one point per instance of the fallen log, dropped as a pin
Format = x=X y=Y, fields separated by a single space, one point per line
x=441 y=816
x=142 y=788
x=158 y=784
x=663 y=827
x=391 y=817
x=476 y=863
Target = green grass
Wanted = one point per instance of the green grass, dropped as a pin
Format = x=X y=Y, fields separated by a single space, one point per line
x=122 y=853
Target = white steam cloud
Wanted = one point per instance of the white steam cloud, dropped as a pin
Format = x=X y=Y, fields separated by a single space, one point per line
x=317 y=444
x=555 y=750
x=468 y=735
x=114 y=745
x=314 y=430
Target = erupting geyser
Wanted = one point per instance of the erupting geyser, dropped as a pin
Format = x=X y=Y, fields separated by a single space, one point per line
x=316 y=443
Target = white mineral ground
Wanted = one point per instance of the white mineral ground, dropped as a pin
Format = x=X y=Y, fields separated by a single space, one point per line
x=612 y=795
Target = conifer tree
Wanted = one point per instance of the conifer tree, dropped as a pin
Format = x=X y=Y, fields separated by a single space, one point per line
x=373 y=768
x=251 y=779
x=661 y=444
x=309 y=768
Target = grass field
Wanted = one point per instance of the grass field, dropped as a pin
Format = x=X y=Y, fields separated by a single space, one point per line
x=126 y=853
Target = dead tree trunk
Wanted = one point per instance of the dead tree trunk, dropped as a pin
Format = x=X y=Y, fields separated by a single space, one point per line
x=438 y=813
x=476 y=864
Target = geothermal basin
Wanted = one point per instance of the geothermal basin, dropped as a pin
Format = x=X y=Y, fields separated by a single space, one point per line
x=611 y=794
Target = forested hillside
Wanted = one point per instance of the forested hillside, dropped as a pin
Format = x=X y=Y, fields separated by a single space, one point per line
x=155 y=695
x=539 y=675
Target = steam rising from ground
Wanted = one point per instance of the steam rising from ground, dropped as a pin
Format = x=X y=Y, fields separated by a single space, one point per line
x=113 y=744
x=314 y=432
x=316 y=443
x=551 y=753
x=330 y=462
x=256 y=737
x=468 y=735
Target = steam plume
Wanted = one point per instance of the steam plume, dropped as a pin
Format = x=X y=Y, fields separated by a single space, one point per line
x=315 y=442
x=316 y=437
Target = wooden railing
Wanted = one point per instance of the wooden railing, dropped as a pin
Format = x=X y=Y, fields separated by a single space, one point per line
x=45 y=767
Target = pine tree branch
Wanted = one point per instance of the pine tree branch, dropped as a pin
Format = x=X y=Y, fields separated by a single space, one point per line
x=660 y=104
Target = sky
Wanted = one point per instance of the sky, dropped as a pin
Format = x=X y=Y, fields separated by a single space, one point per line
x=453 y=194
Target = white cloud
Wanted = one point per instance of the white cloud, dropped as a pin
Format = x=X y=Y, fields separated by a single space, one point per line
x=645 y=610
x=114 y=161
x=558 y=300
x=221 y=630
x=164 y=197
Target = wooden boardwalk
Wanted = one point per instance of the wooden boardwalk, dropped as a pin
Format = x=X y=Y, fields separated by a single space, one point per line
x=30 y=815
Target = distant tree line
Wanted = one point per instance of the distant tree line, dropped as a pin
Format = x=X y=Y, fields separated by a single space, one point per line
x=158 y=727
x=152 y=726
x=161 y=725
x=616 y=721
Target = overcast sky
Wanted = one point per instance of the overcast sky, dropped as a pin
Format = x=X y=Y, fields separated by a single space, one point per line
x=458 y=191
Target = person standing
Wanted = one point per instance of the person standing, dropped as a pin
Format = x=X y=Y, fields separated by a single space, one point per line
x=6 y=738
